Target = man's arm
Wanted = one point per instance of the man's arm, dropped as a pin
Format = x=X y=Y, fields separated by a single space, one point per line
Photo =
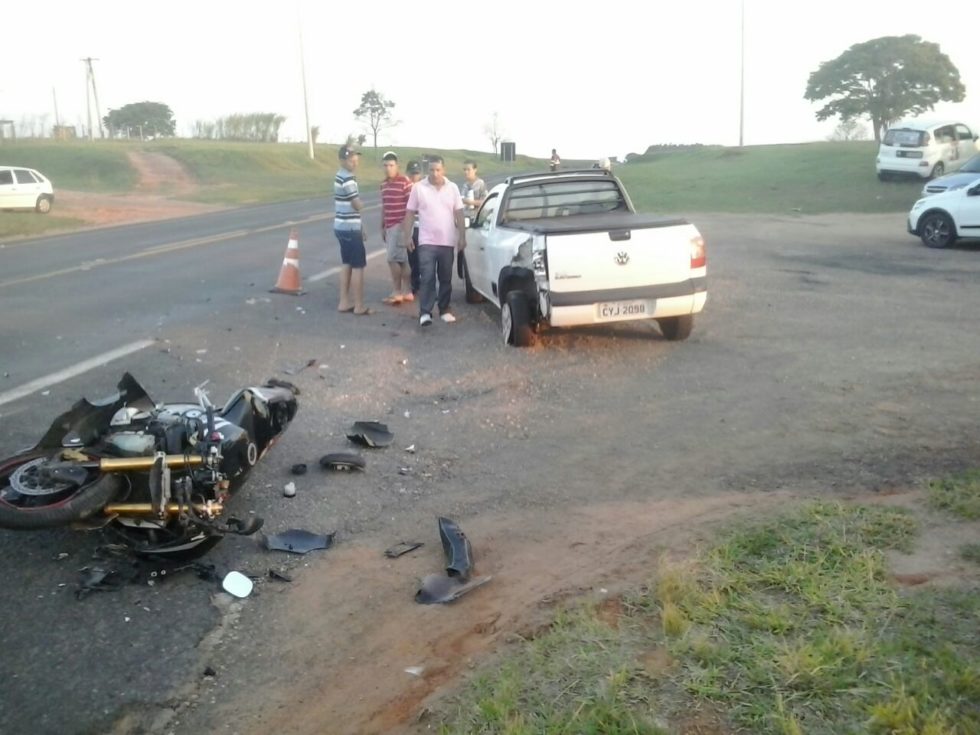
x=408 y=225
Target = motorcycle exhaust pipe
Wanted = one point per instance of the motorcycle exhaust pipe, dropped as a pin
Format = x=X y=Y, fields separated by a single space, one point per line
x=134 y=464
x=172 y=510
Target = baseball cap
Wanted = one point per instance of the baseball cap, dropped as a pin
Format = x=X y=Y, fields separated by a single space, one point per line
x=414 y=167
x=389 y=156
x=346 y=151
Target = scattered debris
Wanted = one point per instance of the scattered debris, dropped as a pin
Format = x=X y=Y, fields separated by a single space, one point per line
x=292 y=370
x=209 y=673
x=298 y=469
x=410 y=449
x=99 y=579
x=61 y=556
x=289 y=490
x=201 y=352
x=404 y=470
x=279 y=576
x=402 y=548
x=45 y=393
x=342 y=461
x=277 y=383
x=415 y=670
x=459 y=552
x=237 y=584
x=408 y=414
x=297 y=541
x=372 y=434
x=439 y=590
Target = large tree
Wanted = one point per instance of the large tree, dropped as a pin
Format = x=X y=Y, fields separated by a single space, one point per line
x=375 y=112
x=494 y=131
x=151 y=118
x=885 y=78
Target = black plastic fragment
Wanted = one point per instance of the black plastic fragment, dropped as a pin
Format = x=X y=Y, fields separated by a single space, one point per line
x=279 y=576
x=297 y=541
x=342 y=461
x=298 y=469
x=459 y=553
x=439 y=590
x=402 y=548
x=371 y=434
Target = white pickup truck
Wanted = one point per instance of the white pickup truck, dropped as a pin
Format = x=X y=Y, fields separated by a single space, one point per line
x=567 y=249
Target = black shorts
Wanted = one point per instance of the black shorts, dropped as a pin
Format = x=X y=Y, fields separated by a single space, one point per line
x=351 y=248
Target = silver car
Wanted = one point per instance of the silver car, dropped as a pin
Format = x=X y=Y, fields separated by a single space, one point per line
x=964 y=175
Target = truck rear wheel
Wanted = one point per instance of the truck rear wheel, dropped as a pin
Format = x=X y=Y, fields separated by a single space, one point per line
x=515 y=320
x=676 y=327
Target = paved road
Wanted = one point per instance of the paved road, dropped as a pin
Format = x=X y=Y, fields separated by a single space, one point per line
x=836 y=354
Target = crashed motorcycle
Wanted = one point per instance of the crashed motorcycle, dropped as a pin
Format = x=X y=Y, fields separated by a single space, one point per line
x=155 y=476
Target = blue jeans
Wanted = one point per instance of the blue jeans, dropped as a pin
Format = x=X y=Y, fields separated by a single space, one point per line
x=435 y=260
x=413 y=262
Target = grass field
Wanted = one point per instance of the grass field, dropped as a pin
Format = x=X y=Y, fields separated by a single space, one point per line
x=782 y=627
x=809 y=178
x=99 y=167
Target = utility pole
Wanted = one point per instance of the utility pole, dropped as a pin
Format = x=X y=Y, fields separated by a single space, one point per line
x=306 y=104
x=90 y=86
x=741 y=83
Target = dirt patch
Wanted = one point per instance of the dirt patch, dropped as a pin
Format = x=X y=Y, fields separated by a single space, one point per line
x=356 y=682
x=162 y=180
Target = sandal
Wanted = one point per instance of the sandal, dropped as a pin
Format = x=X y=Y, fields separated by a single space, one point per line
x=392 y=300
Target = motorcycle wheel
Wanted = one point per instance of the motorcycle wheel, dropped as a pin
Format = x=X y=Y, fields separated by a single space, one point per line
x=29 y=502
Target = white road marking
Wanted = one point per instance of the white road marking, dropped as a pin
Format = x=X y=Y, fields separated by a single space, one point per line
x=73 y=370
x=337 y=268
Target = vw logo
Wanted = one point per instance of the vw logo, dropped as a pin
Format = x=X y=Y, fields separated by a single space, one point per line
x=622 y=258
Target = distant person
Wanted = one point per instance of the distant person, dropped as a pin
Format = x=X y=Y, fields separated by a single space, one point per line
x=414 y=171
x=349 y=230
x=474 y=190
x=439 y=206
x=395 y=190
x=555 y=160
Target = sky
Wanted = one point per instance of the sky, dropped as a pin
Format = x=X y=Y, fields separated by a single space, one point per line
x=591 y=80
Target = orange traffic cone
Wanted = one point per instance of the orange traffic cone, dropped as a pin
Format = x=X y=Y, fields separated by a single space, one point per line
x=289 y=281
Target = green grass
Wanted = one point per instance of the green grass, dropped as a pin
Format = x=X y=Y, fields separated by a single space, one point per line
x=101 y=166
x=788 y=626
x=808 y=178
x=243 y=173
x=970 y=552
x=959 y=494
x=26 y=224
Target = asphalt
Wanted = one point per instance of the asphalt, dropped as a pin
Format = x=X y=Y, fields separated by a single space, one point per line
x=834 y=352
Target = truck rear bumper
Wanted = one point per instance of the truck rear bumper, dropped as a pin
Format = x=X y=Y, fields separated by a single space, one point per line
x=626 y=310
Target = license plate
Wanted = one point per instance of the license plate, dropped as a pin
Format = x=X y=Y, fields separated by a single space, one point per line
x=615 y=310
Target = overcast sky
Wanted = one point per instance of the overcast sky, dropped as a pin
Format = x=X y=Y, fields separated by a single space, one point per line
x=590 y=79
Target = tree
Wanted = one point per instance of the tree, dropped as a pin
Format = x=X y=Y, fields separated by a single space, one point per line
x=885 y=78
x=147 y=118
x=494 y=131
x=375 y=112
x=849 y=129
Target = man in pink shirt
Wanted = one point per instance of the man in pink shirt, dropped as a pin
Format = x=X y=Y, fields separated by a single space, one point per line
x=441 y=232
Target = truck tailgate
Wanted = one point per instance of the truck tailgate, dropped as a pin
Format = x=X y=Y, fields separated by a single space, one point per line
x=619 y=259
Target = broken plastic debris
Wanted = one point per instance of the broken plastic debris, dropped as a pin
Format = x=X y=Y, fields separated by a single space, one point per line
x=410 y=449
x=342 y=461
x=237 y=584
x=415 y=670
x=402 y=548
x=297 y=541
x=439 y=590
x=45 y=393
x=459 y=553
x=372 y=434
x=298 y=469
x=289 y=490
x=201 y=352
x=279 y=576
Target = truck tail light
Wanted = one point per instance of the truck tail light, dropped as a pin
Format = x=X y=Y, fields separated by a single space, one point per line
x=699 y=257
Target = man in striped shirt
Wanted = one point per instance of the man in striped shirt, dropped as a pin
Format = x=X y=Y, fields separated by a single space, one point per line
x=395 y=190
x=349 y=231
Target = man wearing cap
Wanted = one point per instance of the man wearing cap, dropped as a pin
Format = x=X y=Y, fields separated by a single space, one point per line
x=349 y=231
x=414 y=171
x=395 y=190
x=441 y=232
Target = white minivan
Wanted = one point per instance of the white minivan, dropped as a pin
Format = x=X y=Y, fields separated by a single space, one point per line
x=926 y=150
x=25 y=188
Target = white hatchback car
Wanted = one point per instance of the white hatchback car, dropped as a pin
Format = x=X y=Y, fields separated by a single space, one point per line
x=925 y=150
x=941 y=219
x=25 y=188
